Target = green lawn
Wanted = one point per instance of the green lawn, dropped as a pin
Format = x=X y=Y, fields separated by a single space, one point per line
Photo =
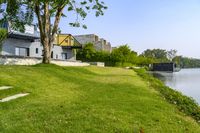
x=85 y=99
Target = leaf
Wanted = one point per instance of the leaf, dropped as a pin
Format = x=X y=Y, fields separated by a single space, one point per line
x=84 y=26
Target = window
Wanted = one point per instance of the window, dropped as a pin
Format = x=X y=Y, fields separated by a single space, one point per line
x=42 y=52
x=27 y=51
x=56 y=56
x=36 y=50
x=52 y=54
x=64 y=56
x=21 y=51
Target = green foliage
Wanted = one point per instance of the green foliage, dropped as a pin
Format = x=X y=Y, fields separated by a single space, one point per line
x=21 y=12
x=144 y=61
x=185 y=104
x=87 y=53
x=160 y=55
x=122 y=56
x=17 y=13
x=186 y=62
x=3 y=36
x=171 y=54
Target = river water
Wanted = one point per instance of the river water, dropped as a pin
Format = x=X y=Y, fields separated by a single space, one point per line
x=186 y=81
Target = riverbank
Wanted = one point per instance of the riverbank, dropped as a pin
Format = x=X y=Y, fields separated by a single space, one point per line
x=186 y=81
x=184 y=103
x=85 y=99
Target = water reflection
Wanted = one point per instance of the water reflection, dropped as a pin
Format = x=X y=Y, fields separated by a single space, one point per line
x=186 y=81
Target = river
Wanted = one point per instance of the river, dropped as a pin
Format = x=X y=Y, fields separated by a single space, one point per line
x=186 y=81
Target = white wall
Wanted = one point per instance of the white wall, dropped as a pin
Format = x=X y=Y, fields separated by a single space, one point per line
x=10 y=44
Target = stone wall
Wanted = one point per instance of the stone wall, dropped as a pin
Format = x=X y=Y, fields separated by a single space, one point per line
x=19 y=61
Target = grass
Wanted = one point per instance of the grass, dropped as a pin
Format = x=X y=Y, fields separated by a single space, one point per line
x=85 y=99
x=185 y=104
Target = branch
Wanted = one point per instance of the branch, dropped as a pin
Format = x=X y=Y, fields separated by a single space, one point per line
x=40 y=21
x=57 y=20
x=46 y=19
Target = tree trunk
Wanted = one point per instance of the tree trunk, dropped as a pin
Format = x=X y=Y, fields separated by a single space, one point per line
x=47 y=53
x=47 y=46
x=47 y=35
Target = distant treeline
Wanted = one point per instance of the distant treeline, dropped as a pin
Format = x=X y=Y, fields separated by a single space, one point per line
x=186 y=62
x=124 y=56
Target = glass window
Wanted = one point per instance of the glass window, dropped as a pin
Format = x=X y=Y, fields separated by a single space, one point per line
x=36 y=50
x=21 y=51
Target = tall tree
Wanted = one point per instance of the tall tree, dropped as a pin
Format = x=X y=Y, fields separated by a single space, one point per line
x=121 y=54
x=48 y=14
x=171 y=54
x=159 y=54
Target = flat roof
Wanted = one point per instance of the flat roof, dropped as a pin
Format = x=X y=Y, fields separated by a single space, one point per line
x=23 y=36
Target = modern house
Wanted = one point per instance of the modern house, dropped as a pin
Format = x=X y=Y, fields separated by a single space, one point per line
x=67 y=45
x=100 y=44
x=28 y=44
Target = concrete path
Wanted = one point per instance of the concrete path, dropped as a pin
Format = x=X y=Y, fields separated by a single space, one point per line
x=5 y=87
x=13 y=97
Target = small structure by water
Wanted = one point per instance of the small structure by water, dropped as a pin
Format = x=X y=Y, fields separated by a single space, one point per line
x=165 y=67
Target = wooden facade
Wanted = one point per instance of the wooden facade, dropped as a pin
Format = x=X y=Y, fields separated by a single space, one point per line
x=67 y=41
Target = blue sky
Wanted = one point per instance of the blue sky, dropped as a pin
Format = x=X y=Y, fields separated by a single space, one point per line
x=143 y=24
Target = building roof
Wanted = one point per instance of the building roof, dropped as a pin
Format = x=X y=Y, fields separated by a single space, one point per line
x=24 y=36
x=76 y=44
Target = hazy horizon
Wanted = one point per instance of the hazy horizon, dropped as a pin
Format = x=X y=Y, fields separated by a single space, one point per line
x=144 y=24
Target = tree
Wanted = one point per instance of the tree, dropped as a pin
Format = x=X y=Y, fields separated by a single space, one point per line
x=159 y=54
x=177 y=60
x=171 y=54
x=121 y=54
x=3 y=36
x=87 y=53
x=48 y=14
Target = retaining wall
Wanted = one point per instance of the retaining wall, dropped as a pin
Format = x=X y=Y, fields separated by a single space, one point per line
x=34 y=61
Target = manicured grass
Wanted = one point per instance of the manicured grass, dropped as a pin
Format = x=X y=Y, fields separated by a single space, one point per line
x=87 y=99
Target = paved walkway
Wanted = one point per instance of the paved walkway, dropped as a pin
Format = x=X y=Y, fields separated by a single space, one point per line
x=13 y=97
x=5 y=87
x=9 y=98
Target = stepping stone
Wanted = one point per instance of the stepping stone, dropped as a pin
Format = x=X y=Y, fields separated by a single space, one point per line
x=5 y=87
x=13 y=97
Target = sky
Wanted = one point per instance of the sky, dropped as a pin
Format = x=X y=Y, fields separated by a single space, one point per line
x=146 y=24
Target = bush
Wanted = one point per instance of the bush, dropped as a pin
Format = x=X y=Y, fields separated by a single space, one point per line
x=122 y=56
